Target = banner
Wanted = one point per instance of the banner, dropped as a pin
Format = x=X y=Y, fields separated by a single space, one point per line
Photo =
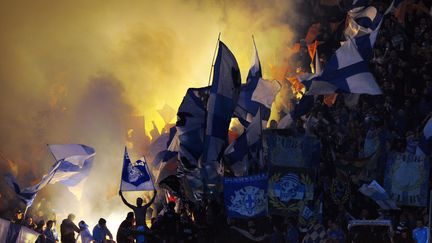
x=246 y=196
x=406 y=179
x=289 y=189
x=283 y=149
x=135 y=177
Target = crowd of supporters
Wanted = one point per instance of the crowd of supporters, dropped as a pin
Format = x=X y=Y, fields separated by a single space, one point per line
x=402 y=66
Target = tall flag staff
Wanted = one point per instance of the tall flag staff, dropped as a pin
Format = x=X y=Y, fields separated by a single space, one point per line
x=261 y=154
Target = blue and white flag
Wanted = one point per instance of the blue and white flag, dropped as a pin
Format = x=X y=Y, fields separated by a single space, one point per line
x=406 y=179
x=27 y=195
x=347 y=71
x=72 y=166
x=76 y=163
x=189 y=137
x=135 y=177
x=246 y=197
x=245 y=143
x=222 y=101
x=379 y=195
x=362 y=21
x=11 y=233
x=256 y=93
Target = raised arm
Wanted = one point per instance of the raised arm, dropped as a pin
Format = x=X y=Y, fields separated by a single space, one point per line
x=152 y=200
x=126 y=202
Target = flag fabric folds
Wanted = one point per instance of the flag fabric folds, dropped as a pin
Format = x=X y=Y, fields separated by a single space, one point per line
x=362 y=21
x=248 y=141
x=76 y=163
x=11 y=233
x=135 y=177
x=379 y=195
x=246 y=197
x=27 y=195
x=256 y=93
x=189 y=137
x=224 y=93
x=347 y=70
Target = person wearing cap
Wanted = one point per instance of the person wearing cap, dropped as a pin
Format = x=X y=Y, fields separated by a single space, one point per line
x=68 y=229
x=100 y=232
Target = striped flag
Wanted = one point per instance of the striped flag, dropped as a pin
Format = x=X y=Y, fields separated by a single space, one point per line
x=224 y=93
x=347 y=70
x=256 y=93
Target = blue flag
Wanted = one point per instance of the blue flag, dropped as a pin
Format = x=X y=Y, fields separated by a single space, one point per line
x=135 y=177
x=222 y=101
x=72 y=166
x=347 y=70
x=256 y=93
x=246 y=197
x=27 y=195
x=189 y=138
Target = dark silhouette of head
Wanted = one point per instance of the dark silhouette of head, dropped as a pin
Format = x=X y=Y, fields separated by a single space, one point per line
x=102 y=222
x=49 y=224
x=139 y=202
x=171 y=205
x=130 y=216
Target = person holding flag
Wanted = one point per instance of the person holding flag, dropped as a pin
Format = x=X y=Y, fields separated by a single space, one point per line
x=136 y=177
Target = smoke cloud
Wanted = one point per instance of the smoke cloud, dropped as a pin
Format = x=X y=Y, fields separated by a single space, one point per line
x=74 y=71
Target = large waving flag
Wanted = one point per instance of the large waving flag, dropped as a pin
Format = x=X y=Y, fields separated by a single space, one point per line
x=222 y=101
x=27 y=195
x=11 y=233
x=347 y=71
x=256 y=93
x=76 y=163
x=189 y=138
x=135 y=177
x=73 y=164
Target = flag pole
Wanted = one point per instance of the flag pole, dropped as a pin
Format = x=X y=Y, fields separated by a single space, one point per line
x=25 y=212
x=260 y=114
x=213 y=59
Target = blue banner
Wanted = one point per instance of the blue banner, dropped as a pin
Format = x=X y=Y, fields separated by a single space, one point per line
x=283 y=149
x=290 y=189
x=246 y=197
x=406 y=179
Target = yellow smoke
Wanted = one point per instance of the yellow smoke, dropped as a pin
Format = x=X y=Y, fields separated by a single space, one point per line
x=71 y=71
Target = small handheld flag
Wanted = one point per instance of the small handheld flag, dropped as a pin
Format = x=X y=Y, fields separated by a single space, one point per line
x=135 y=177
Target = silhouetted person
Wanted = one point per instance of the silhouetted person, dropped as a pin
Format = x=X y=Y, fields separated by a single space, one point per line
x=170 y=223
x=68 y=229
x=100 y=232
x=140 y=212
x=125 y=230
